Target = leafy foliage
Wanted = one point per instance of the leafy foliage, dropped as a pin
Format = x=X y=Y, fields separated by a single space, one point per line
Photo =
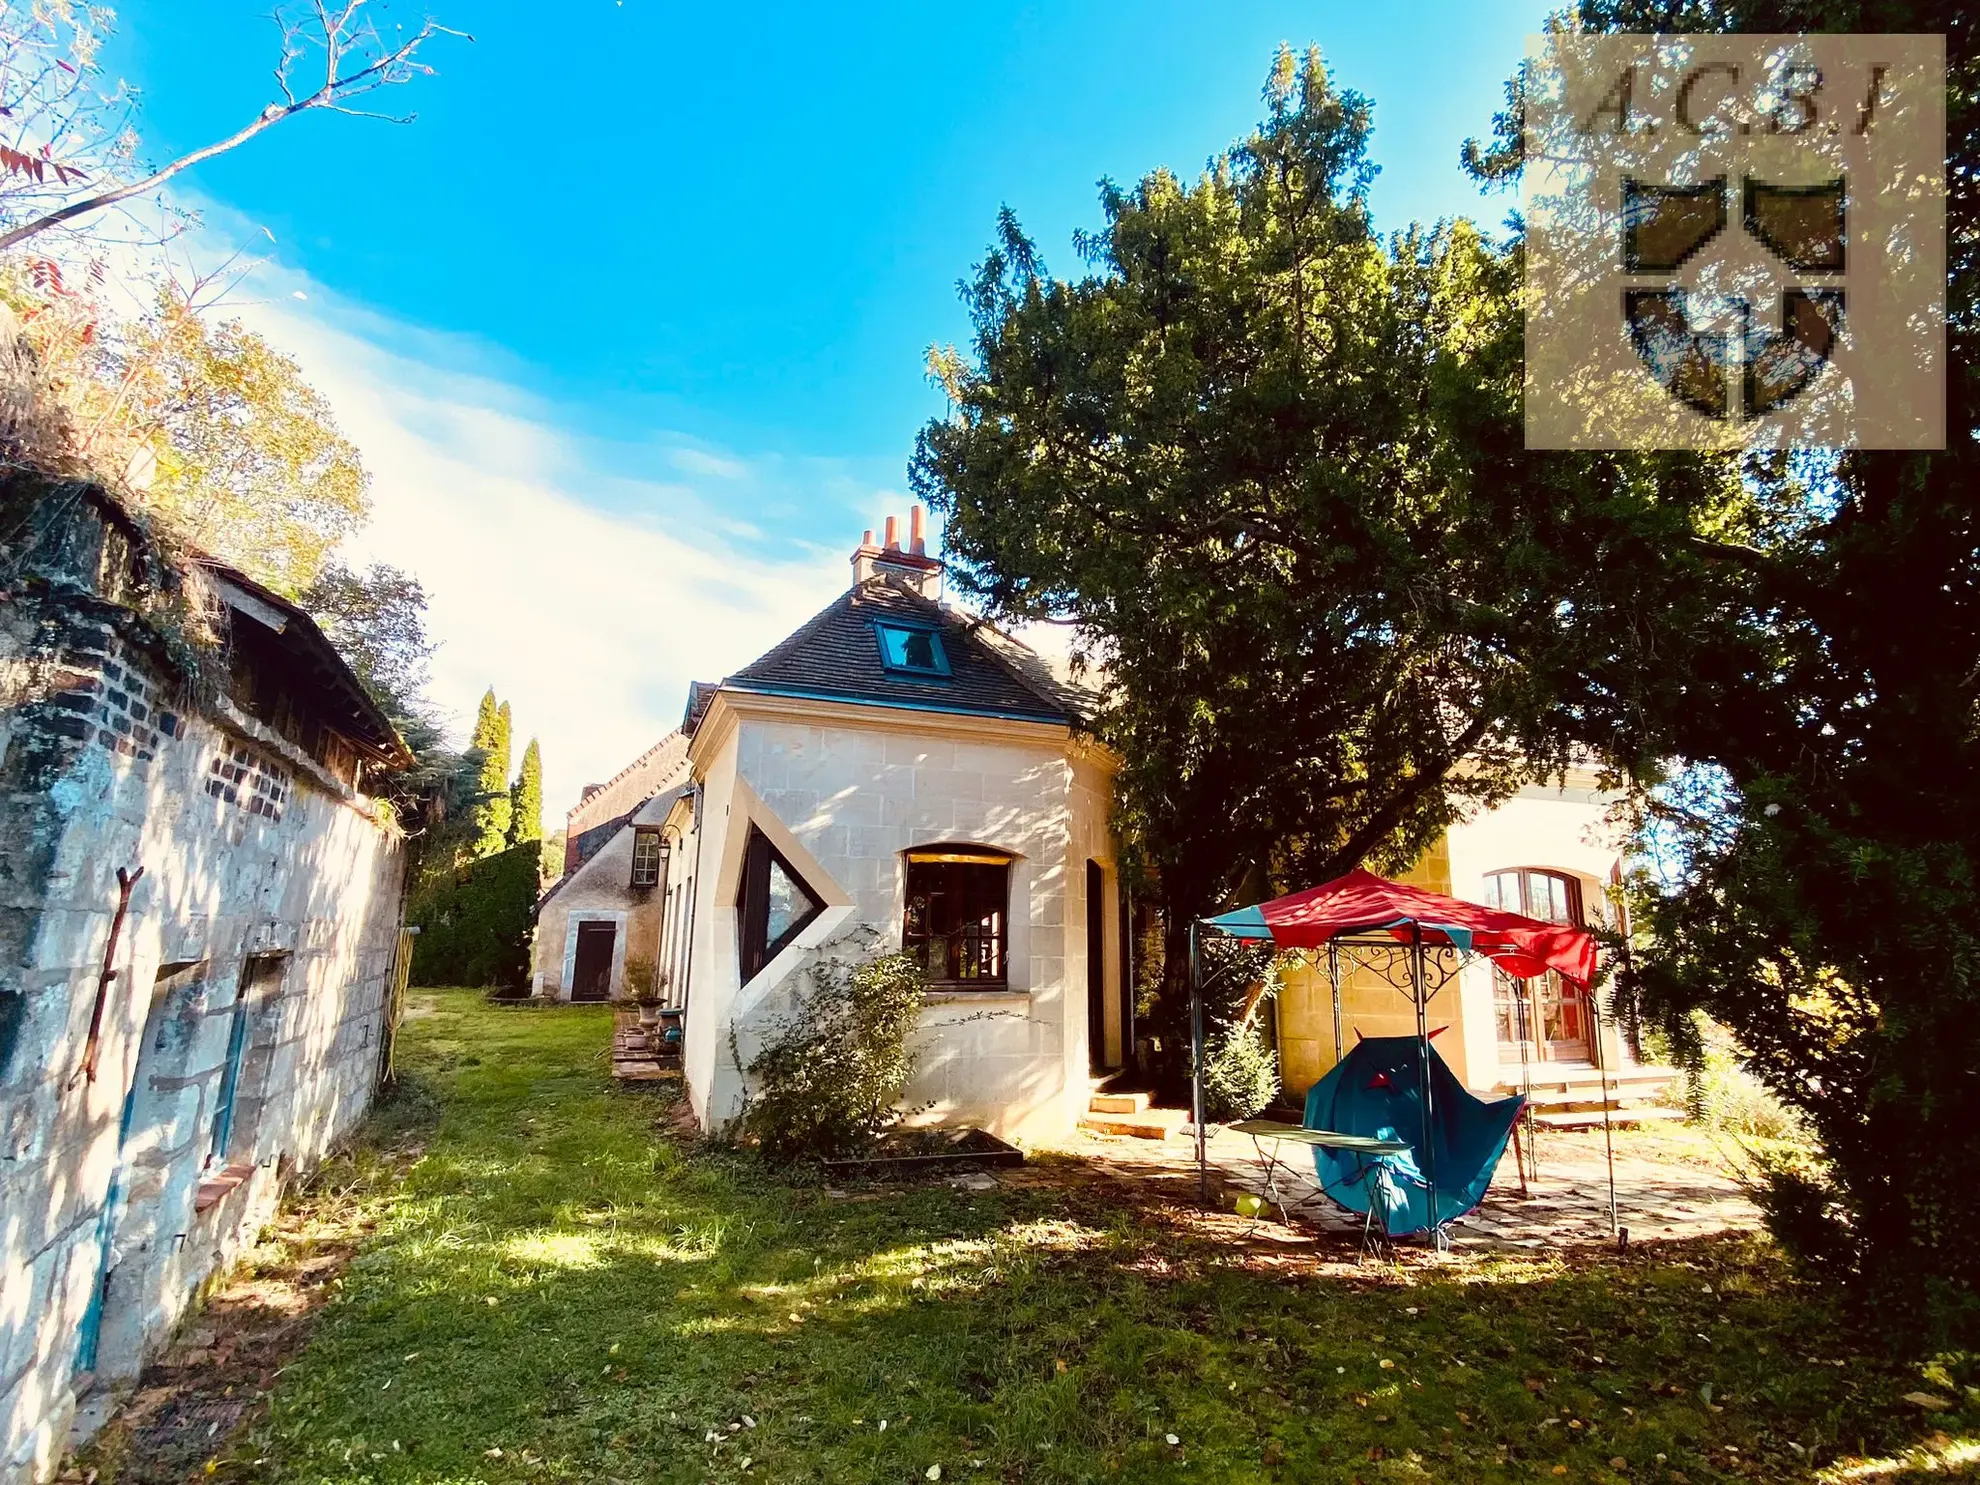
x=377 y=620
x=1272 y=468
x=475 y=922
x=205 y=425
x=526 y=798
x=1240 y=1072
x=492 y=810
x=1816 y=887
x=830 y=1075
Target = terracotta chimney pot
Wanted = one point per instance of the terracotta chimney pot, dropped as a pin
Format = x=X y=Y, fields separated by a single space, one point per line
x=893 y=533
x=917 y=531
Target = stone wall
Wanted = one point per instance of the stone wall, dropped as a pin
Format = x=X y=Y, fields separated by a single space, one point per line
x=250 y=974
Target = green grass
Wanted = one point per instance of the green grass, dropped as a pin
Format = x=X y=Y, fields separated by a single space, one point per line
x=556 y=1281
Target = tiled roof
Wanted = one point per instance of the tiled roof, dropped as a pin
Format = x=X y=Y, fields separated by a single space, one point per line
x=629 y=788
x=582 y=845
x=835 y=656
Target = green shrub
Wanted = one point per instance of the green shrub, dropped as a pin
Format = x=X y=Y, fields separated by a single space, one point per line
x=475 y=923
x=1240 y=1073
x=1716 y=1091
x=1240 y=1065
x=829 y=1079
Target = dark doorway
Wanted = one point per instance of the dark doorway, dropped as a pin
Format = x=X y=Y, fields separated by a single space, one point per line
x=1096 y=969
x=591 y=976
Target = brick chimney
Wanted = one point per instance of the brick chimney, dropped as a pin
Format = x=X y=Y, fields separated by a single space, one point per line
x=911 y=564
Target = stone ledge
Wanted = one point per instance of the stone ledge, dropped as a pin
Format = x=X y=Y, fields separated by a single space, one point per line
x=941 y=995
x=216 y=1186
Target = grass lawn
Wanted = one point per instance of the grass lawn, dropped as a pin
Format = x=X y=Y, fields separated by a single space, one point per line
x=555 y=1292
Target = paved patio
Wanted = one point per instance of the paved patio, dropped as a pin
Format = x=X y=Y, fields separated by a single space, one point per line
x=1667 y=1187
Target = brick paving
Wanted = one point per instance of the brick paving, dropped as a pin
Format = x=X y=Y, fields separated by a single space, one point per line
x=1665 y=1189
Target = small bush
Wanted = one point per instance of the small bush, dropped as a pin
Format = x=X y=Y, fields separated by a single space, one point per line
x=829 y=1079
x=1240 y=1073
x=1718 y=1093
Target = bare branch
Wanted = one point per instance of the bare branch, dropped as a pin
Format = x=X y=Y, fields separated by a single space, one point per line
x=343 y=38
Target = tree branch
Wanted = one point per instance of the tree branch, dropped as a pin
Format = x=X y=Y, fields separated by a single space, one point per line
x=335 y=88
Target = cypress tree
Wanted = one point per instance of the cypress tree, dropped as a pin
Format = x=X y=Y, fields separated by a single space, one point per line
x=491 y=813
x=526 y=798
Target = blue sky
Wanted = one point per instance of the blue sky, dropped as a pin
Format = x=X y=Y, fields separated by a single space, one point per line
x=675 y=268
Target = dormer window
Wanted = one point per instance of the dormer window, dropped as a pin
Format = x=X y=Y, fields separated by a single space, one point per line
x=909 y=649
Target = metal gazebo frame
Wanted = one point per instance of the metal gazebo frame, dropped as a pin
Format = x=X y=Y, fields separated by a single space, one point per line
x=1406 y=966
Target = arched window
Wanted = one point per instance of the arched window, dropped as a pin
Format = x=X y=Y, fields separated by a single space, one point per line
x=956 y=922
x=1544 y=1018
x=1550 y=896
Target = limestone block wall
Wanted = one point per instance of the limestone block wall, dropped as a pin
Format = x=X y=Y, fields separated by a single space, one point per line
x=251 y=973
x=1369 y=1004
x=844 y=793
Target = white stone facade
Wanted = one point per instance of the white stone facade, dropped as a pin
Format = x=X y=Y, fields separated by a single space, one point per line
x=844 y=791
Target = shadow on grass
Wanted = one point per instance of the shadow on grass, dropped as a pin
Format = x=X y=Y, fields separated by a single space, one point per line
x=557 y=1292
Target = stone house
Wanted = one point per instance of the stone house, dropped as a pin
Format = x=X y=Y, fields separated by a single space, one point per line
x=199 y=933
x=608 y=903
x=899 y=773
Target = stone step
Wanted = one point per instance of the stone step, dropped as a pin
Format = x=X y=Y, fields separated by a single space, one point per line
x=1118 y=1103
x=1619 y=1118
x=1628 y=1081
x=1146 y=1124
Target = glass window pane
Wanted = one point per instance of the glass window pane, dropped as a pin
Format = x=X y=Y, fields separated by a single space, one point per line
x=955 y=923
x=788 y=903
x=913 y=649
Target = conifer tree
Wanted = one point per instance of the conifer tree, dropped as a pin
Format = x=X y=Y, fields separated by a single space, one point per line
x=526 y=798
x=491 y=813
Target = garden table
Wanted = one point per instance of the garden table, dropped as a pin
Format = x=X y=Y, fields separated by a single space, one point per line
x=1278 y=1134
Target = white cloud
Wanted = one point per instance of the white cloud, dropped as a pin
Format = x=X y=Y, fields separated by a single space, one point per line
x=588 y=599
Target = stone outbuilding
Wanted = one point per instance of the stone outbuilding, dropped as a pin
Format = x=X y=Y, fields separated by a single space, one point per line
x=200 y=911
x=605 y=912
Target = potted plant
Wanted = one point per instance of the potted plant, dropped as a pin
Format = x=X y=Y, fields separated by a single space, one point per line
x=646 y=993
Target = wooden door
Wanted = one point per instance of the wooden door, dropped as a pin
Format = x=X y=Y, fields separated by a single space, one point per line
x=1096 y=969
x=591 y=976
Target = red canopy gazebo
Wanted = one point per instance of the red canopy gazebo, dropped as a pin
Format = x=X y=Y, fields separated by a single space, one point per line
x=1372 y=917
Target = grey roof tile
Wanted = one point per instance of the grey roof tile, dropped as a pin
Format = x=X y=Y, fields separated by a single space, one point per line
x=835 y=655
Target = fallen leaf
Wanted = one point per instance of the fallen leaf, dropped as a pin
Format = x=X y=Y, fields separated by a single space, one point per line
x=934 y=1472
x=1931 y=1402
x=1169 y=1438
